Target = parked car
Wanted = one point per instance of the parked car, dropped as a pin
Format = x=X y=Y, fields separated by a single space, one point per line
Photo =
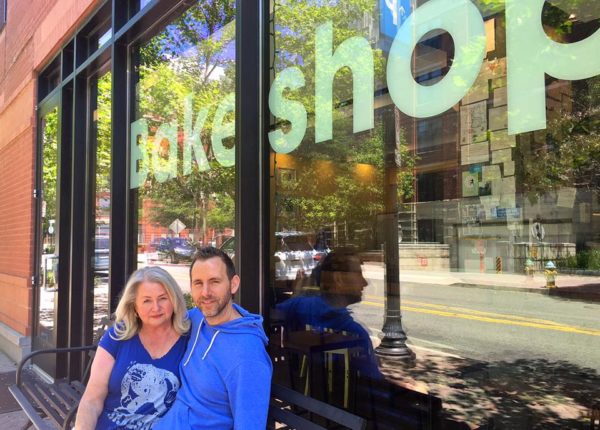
x=153 y=245
x=293 y=252
x=175 y=249
x=229 y=247
x=101 y=255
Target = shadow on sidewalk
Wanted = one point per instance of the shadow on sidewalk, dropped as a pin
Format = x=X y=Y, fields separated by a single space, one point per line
x=589 y=292
x=517 y=395
x=7 y=402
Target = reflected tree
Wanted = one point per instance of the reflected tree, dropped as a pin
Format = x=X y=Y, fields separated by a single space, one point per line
x=193 y=55
x=49 y=173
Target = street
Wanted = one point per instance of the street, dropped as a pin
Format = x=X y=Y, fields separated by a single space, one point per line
x=491 y=325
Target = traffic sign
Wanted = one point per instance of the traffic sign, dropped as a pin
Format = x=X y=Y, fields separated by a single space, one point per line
x=177 y=226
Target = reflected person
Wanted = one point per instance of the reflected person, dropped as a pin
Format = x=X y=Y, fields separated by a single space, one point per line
x=339 y=283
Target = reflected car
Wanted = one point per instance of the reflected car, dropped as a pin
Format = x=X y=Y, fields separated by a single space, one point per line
x=293 y=252
x=101 y=255
x=153 y=245
x=175 y=249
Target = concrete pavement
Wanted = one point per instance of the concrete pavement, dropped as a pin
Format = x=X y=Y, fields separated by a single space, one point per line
x=10 y=418
x=585 y=287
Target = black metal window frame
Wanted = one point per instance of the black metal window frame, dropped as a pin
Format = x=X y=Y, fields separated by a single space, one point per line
x=77 y=63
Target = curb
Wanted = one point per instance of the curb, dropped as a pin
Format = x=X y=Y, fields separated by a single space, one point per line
x=559 y=293
x=539 y=290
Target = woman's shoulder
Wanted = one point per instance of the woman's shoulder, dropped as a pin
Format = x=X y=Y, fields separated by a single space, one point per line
x=112 y=341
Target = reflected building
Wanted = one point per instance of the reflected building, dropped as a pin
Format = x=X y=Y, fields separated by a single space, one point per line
x=391 y=178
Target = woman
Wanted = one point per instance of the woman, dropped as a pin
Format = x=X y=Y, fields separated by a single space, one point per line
x=135 y=373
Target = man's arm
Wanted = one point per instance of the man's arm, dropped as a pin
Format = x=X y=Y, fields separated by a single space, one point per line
x=249 y=389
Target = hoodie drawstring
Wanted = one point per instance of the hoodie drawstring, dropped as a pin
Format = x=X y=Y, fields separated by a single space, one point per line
x=196 y=341
x=211 y=344
x=194 y=344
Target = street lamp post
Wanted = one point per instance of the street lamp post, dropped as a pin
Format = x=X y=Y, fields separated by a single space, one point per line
x=393 y=343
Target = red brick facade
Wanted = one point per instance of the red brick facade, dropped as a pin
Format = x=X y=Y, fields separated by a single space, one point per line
x=33 y=33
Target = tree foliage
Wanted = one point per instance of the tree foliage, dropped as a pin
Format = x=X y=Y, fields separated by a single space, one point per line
x=193 y=55
x=49 y=168
x=340 y=181
x=568 y=155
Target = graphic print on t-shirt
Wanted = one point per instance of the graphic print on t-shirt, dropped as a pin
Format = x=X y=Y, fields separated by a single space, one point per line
x=147 y=392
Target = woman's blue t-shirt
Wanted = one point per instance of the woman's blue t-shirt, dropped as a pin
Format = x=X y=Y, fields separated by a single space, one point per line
x=140 y=389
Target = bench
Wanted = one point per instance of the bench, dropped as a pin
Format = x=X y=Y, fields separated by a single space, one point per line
x=291 y=410
x=390 y=406
x=52 y=405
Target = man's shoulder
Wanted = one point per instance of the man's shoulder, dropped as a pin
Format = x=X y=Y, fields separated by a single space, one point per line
x=244 y=339
x=194 y=315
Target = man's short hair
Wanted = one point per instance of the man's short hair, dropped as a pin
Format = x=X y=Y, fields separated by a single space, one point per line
x=340 y=260
x=209 y=252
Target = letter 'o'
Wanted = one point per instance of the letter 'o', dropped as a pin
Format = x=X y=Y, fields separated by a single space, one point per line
x=462 y=20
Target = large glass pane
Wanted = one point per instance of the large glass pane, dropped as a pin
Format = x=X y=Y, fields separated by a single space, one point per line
x=47 y=293
x=435 y=201
x=102 y=201
x=182 y=171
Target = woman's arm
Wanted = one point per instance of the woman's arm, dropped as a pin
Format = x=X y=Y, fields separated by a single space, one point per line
x=95 y=393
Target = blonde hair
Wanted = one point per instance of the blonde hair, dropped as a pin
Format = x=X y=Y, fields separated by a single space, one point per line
x=128 y=323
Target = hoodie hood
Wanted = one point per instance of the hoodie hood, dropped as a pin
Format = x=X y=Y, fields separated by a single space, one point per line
x=247 y=324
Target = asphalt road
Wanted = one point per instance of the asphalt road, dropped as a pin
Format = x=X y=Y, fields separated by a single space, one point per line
x=491 y=325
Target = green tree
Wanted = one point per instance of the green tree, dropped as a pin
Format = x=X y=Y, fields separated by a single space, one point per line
x=341 y=196
x=193 y=55
x=49 y=172
x=568 y=155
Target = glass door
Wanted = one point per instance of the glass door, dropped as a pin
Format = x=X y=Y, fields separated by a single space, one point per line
x=47 y=258
x=100 y=90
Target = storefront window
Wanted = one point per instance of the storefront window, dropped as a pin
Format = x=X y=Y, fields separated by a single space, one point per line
x=436 y=210
x=182 y=142
x=102 y=129
x=48 y=287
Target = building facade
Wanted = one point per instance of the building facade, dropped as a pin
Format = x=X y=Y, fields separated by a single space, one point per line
x=410 y=190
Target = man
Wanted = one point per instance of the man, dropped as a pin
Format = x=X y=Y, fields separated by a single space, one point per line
x=226 y=371
x=340 y=282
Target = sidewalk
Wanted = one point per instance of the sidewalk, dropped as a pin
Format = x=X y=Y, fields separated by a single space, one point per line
x=11 y=416
x=503 y=394
x=568 y=286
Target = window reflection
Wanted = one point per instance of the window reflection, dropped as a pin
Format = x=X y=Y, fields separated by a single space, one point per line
x=49 y=230
x=468 y=238
x=182 y=142
x=101 y=261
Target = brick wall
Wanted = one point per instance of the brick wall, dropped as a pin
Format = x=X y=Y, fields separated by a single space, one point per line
x=34 y=32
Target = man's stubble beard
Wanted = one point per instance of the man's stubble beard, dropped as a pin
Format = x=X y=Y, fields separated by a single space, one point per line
x=221 y=305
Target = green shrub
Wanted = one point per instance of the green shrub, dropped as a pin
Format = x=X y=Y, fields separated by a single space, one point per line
x=582 y=259
x=189 y=303
x=588 y=259
x=568 y=263
x=593 y=262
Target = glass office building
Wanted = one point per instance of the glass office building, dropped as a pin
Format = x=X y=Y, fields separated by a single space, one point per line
x=410 y=191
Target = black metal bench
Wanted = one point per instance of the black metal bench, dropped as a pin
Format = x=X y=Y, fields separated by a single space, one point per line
x=390 y=406
x=52 y=405
x=292 y=410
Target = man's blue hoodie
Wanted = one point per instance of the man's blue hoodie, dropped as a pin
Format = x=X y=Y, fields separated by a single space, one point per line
x=225 y=376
